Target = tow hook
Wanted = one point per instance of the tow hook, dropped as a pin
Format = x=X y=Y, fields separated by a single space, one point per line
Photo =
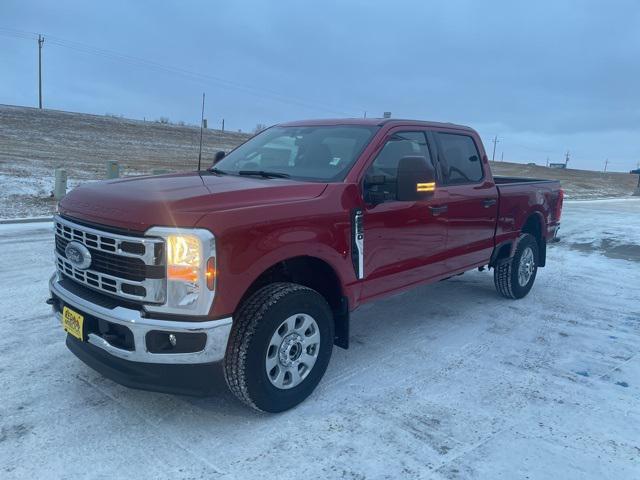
x=54 y=302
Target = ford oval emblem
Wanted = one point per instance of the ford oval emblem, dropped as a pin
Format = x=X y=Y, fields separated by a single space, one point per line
x=78 y=255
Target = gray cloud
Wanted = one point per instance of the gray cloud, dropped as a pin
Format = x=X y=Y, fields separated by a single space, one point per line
x=542 y=75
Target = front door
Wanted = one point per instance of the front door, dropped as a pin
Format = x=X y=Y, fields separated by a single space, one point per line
x=404 y=241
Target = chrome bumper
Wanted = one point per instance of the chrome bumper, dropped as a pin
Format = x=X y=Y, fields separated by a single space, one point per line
x=217 y=331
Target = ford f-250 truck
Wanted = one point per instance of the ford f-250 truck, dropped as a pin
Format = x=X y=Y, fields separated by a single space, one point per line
x=258 y=261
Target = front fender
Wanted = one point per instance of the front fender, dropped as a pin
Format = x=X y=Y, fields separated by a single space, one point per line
x=244 y=253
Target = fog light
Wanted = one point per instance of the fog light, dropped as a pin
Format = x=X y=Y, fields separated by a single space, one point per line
x=158 y=341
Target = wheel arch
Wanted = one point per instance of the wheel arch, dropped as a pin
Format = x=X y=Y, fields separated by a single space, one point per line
x=535 y=226
x=317 y=274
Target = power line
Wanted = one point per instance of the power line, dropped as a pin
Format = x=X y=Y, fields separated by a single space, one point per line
x=196 y=76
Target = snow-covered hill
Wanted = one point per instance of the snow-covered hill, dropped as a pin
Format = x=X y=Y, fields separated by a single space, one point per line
x=34 y=142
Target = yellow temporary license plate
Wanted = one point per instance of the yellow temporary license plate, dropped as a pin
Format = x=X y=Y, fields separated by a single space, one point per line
x=72 y=322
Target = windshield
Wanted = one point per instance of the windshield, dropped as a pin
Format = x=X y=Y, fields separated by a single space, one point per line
x=319 y=153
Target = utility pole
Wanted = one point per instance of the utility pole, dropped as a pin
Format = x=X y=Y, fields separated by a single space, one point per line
x=495 y=142
x=201 y=125
x=502 y=156
x=547 y=165
x=566 y=158
x=606 y=162
x=223 y=124
x=365 y=114
x=40 y=42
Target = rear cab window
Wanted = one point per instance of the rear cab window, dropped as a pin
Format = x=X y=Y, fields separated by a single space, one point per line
x=460 y=160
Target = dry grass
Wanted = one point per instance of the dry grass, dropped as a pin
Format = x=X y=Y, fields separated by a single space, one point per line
x=577 y=184
x=34 y=142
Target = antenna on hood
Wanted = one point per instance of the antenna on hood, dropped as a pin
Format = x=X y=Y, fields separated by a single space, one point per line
x=201 y=125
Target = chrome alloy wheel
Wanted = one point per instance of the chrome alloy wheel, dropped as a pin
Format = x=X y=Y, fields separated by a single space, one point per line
x=292 y=351
x=527 y=266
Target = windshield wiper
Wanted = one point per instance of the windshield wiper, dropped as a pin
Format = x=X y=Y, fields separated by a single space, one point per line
x=264 y=173
x=217 y=170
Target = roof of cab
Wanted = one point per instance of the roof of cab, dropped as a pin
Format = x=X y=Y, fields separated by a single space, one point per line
x=371 y=122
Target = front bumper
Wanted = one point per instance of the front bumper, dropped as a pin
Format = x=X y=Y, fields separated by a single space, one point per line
x=216 y=331
x=202 y=379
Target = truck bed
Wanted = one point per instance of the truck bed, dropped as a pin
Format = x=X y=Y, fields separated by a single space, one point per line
x=517 y=196
x=499 y=180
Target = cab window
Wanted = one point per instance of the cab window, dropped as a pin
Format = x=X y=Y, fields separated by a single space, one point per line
x=461 y=161
x=383 y=172
x=322 y=153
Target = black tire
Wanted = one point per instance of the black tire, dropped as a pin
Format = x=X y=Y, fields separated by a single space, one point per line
x=505 y=273
x=253 y=327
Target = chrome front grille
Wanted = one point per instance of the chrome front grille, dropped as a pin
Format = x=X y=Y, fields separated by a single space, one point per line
x=126 y=266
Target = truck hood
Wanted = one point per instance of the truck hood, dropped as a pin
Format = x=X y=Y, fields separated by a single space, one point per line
x=139 y=203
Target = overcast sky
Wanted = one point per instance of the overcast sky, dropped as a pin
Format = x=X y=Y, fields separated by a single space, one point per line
x=545 y=76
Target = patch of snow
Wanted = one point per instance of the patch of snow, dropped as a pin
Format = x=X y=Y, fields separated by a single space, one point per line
x=445 y=381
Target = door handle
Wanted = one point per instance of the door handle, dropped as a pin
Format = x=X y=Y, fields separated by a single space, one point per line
x=437 y=210
x=488 y=202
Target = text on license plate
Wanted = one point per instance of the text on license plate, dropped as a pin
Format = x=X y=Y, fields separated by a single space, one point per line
x=72 y=322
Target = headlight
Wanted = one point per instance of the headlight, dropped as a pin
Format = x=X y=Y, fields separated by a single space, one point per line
x=183 y=257
x=191 y=270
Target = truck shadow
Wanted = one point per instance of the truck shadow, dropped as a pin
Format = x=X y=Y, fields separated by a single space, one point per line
x=403 y=324
x=378 y=329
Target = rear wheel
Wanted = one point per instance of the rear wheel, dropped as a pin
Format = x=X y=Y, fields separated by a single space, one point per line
x=514 y=277
x=280 y=346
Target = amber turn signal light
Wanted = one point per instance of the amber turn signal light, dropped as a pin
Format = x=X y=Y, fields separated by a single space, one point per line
x=426 y=187
x=183 y=273
x=211 y=273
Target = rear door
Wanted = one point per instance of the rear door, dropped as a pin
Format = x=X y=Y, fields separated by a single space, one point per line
x=472 y=199
x=404 y=241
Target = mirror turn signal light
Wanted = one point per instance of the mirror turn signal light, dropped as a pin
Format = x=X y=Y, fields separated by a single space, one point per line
x=426 y=187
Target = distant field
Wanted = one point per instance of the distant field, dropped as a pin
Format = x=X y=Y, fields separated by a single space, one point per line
x=577 y=184
x=34 y=142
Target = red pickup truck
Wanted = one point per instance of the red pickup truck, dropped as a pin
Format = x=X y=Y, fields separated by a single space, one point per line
x=258 y=261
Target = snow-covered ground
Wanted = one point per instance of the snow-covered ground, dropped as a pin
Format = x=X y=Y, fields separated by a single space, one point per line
x=445 y=381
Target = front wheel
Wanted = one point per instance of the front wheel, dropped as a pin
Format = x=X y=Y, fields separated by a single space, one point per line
x=280 y=346
x=514 y=277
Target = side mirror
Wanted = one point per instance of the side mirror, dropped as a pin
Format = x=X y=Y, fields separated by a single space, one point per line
x=218 y=156
x=416 y=179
